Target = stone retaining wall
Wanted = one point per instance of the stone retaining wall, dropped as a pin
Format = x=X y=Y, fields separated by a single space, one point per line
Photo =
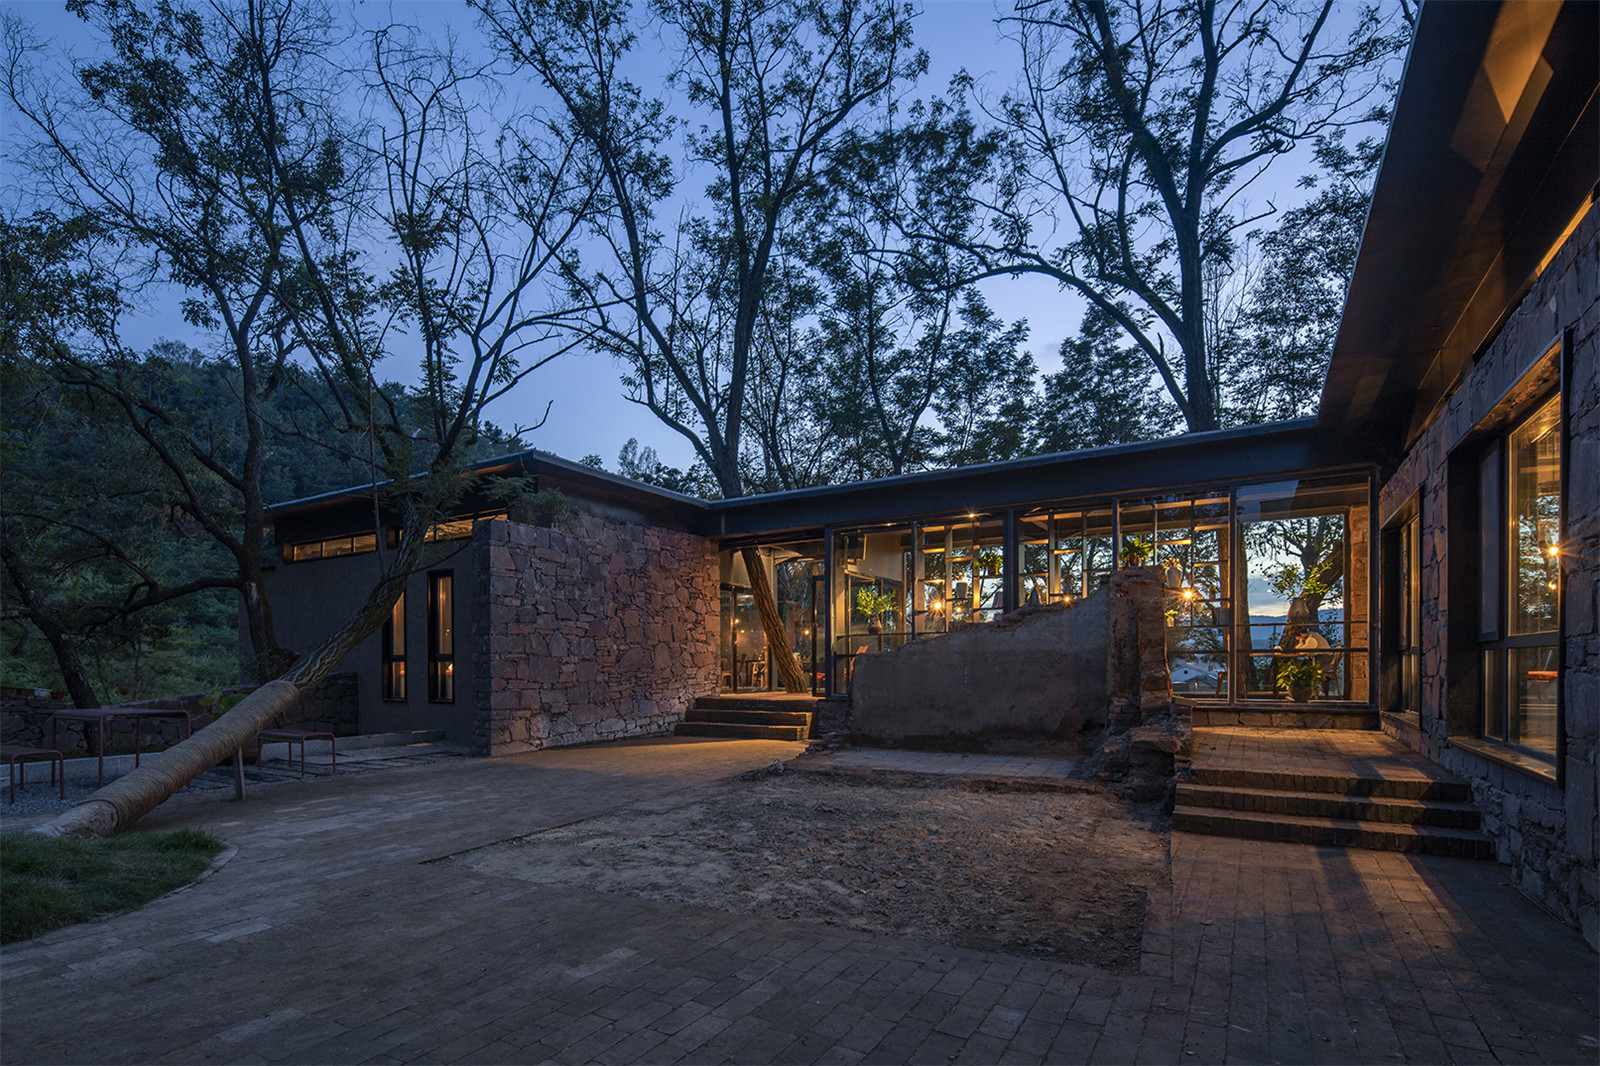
x=594 y=629
x=25 y=718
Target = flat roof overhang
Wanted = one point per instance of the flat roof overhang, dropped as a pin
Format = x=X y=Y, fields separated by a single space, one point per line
x=1282 y=449
x=1250 y=453
x=1494 y=148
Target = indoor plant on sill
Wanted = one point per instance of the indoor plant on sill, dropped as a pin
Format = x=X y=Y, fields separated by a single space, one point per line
x=874 y=602
x=1301 y=677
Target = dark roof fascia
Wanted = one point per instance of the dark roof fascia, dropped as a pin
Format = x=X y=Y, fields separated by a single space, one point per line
x=1220 y=457
x=1451 y=242
x=343 y=510
x=1249 y=453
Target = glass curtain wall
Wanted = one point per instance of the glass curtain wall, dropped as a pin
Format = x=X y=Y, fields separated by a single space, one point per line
x=1303 y=588
x=795 y=572
x=1267 y=585
x=1186 y=535
x=962 y=571
x=1067 y=554
x=874 y=602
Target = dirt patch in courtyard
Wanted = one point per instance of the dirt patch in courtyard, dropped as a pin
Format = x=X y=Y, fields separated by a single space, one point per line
x=1005 y=867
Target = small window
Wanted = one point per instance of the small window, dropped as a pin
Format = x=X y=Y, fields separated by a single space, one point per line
x=441 y=637
x=394 y=652
x=1521 y=579
x=331 y=548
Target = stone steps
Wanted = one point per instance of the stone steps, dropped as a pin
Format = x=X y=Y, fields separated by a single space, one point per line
x=765 y=704
x=1413 y=808
x=1388 y=810
x=1335 y=832
x=700 y=714
x=740 y=731
x=1415 y=785
x=748 y=718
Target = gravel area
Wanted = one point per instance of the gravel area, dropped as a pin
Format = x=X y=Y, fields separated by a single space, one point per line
x=1054 y=874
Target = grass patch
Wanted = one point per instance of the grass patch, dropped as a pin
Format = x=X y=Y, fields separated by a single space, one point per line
x=50 y=882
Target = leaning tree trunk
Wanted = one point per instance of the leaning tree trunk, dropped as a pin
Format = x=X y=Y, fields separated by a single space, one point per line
x=794 y=678
x=132 y=796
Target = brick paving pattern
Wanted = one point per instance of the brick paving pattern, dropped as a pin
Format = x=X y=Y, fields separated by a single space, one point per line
x=937 y=762
x=330 y=938
x=1332 y=752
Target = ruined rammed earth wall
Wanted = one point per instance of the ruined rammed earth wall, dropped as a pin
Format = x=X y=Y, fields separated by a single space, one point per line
x=1548 y=831
x=1058 y=669
x=595 y=629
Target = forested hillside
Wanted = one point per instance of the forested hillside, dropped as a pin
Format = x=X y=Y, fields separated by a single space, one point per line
x=103 y=532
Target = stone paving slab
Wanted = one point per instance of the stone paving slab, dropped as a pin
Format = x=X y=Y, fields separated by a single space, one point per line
x=330 y=938
x=943 y=762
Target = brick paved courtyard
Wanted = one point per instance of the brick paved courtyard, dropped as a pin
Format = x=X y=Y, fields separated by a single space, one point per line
x=329 y=937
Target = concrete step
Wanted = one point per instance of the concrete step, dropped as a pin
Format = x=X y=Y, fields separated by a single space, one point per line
x=740 y=731
x=1334 y=832
x=801 y=718
x=1418 y=785
x=1383 y=809
x=1202 y=717
x=757 y=703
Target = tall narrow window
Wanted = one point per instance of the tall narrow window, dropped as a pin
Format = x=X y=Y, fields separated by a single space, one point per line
x=1410 y=643
x=441 y=637
x=394 y=652
x=1521 y=562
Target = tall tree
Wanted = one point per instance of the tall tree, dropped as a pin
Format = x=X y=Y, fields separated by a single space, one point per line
x=167 y=145
x=467 y=239
x=986 y=398
x=1273 y=350
x=777 y=83
x=1103 y=393
x=1122 y=163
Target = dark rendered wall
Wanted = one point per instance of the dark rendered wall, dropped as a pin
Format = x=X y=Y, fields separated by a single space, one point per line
x=311 y=599
x=1547 y=831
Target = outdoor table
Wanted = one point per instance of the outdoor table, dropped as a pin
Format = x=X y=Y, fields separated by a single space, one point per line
x=17 y=756
x=100 y=714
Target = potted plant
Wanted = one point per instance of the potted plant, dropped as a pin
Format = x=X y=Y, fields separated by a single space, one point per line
x=874 y=603
x=1137 y=552
x=1301 y=677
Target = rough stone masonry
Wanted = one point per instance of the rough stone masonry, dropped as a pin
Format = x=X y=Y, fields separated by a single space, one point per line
x=594 y=629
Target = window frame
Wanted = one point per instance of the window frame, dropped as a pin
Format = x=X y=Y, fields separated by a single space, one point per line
x=1495 y=558
x=389 y=657
x=441 y=682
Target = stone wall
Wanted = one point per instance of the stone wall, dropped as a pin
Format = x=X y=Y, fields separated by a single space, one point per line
x=1055 y=669
x=595 y=629
x=25 y=718
x=1548 y=832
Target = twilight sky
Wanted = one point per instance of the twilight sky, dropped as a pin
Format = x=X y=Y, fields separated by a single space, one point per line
x=589 y=413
